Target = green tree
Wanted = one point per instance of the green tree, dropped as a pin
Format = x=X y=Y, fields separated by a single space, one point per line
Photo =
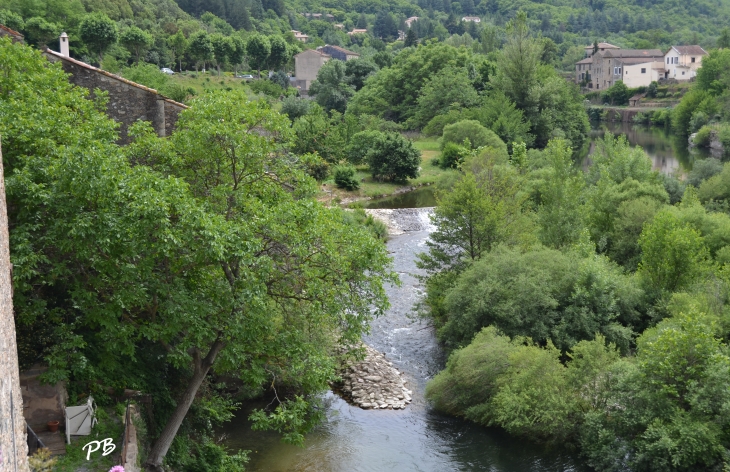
x=411 y=38
x=723 y=41
x=358 y=70
x=279 y=54
x=99 y=33
x=449 y=88
x=559 y=213
x=41 y=31
x=473 y=217
x=223 y=48
x=393 y=157
x=331 y=89
x=519 y=61
x=258 y=48
x=200 y=48
x=360 y=144
x=673 y=254
x=178 y=44
x=136 y=41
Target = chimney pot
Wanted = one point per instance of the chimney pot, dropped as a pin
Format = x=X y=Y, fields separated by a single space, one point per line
x=63 y=41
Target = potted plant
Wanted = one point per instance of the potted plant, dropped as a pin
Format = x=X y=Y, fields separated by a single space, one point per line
x=53 y=426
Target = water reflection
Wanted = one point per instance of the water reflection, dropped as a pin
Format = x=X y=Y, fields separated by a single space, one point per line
x=668 y=152
x=421 y=198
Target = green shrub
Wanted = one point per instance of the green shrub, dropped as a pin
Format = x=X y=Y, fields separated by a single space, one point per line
x=703 y=137
x=477 y=135
x=266 y=87
x=294 y=107
x=360 y=144
x=723 y=134
x=393 y=157
x=345 y=177
x=452 y=156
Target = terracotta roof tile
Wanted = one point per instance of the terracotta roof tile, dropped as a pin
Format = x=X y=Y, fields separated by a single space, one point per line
x=113 y=76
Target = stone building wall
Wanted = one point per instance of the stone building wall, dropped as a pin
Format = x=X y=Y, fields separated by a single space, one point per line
x=12 y=34
x=13 y=446
x=128 y=101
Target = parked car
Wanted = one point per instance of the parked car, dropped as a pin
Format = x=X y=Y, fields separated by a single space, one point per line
x=167 y=70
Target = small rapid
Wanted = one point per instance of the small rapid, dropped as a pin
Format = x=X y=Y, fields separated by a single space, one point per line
x=416 y=438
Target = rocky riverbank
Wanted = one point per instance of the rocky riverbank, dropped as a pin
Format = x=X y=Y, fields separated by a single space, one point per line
x=373 y=383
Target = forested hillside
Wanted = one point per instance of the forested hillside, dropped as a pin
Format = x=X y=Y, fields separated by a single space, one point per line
x=569 y=25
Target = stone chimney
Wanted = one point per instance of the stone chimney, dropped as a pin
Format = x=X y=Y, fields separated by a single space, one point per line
x=63 y=41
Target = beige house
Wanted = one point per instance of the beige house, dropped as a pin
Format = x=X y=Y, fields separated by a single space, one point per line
x=299 y=36
x=682 y=62
x=357 y=31
x=306 y=67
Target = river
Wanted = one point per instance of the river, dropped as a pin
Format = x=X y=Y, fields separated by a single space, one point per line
x=414 y=439
x=669 y=154
x=418 y=438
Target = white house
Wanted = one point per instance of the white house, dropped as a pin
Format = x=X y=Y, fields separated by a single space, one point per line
x=682 y=62
x=640 y=72
x=474 y=19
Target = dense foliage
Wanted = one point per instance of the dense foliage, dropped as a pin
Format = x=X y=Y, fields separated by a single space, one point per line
x=585 y=308
x=152 y=265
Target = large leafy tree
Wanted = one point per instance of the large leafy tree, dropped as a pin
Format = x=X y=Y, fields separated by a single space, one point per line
x=209 y=247
x=331 y=89
x=99 y=33
x=258 y=48
x=136 y=41
x=223 y=48
x=200 y=47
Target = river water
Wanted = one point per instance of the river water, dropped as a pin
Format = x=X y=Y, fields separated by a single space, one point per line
x=669 y=154
x=418 y=438
x=414 y=439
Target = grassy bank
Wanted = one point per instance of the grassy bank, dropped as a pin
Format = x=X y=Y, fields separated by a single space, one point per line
x=370 y=188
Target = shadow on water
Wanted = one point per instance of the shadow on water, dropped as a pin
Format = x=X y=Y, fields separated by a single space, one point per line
x=414 y=439
x=669 y=153
x=421 y=198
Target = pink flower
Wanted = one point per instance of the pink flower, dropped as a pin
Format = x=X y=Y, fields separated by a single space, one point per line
x=117 y=468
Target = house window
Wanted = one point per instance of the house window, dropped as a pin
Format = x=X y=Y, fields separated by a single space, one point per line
x=676 y=60
x=627 y=72
x=643 y=70
x=682 y=72
x=616 y=71
x=667 y=60
x=693 y=59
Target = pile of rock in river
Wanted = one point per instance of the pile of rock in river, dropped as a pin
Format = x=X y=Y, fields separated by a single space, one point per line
x=374 y=383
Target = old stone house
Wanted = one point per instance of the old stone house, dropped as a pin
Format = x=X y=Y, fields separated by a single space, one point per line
x=634 y=66
x=299 y=36
x=128 y=101
x=583 y=71
x=12 y=34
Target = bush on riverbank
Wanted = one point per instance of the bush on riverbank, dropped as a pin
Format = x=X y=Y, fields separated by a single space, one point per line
x=660 y=410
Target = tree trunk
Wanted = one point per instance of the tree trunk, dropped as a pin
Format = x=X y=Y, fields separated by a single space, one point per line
x=163 y=443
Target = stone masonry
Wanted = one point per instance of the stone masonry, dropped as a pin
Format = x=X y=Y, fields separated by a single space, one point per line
x=128 y=101
x=13 y=446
